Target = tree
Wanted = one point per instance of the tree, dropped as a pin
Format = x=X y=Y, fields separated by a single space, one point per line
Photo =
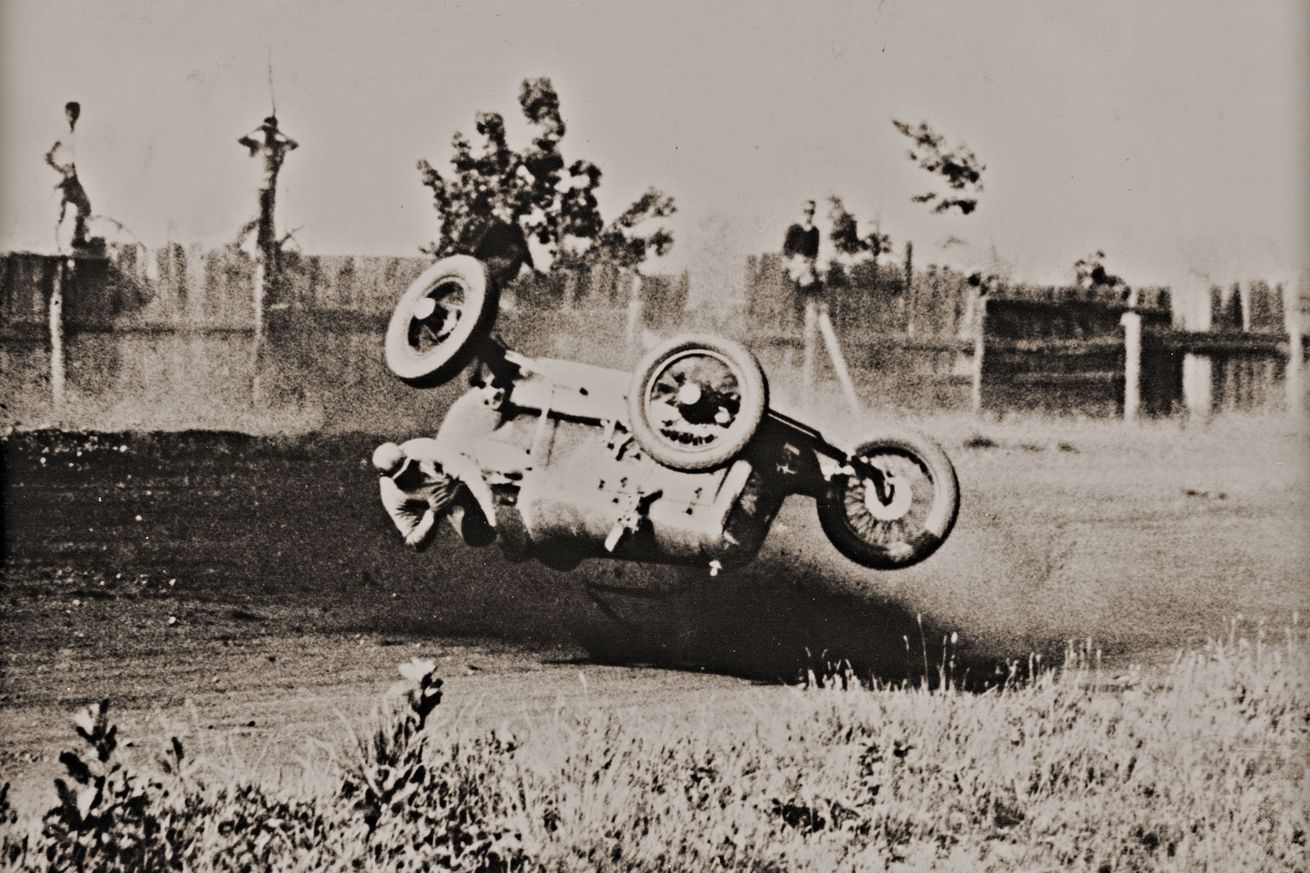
x=845 y=234
x=550 y=199
x=958 y=167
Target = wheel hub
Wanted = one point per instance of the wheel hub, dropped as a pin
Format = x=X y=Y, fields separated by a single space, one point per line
x=900 y=497
x=692 y=394
x=423 y=308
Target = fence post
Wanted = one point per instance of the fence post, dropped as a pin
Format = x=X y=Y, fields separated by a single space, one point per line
x=64 y=267
x=1294 y=373
x=979 y=353
x=260 y=279
x=909 y=289
x=1132 y=324
x=261 y=273
x=1198 y=370
x=809 y=339
x=838 y=361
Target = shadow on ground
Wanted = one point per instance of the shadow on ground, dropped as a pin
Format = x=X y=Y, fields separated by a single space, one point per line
x=238 y=537
x=117 y=543
x=773 y=621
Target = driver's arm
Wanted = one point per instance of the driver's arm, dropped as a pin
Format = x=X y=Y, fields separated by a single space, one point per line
x=415 y=527
x=460 y=466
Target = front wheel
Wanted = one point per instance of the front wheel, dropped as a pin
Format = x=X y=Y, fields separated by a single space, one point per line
x=894 y=505
x=440 y=321
x=696 y=400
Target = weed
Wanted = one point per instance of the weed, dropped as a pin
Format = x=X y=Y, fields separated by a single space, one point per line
x=1055 y=768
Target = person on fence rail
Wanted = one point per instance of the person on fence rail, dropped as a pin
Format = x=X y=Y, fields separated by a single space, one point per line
x=421 y=481
x=62 y=157
x=270 y=142
x=801 y=248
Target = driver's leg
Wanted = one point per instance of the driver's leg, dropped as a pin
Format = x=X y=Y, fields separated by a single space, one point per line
x=467 y=518
x=493 y=355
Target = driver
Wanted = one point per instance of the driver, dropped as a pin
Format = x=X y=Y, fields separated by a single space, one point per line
x=420 y=481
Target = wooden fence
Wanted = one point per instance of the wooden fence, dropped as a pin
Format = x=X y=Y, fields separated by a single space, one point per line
x=936 y=340
x=1241 y=347
x=171 y=337
x=178 y=286
x=906 y=343
x=85 y=340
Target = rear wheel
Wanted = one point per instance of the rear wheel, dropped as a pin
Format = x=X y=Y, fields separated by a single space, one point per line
x=895 y=506
x=440 y=321
x=696 y=401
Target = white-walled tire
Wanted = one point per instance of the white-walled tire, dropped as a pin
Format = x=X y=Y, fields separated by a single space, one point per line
x=440 y=320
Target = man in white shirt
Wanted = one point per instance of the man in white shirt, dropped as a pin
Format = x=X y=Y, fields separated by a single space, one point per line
x=421 y=481
x=62 y=157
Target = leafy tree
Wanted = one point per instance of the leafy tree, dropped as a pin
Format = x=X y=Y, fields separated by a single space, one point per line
x=845 y=234
x=958 y=167
x=549 y=198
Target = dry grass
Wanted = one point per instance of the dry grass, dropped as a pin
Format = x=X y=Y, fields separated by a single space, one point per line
x=1201 y=767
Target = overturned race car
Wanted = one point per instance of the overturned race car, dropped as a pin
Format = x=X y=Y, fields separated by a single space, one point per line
x=678 y=462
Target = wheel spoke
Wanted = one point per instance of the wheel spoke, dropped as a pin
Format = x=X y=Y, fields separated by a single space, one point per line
x=903 y=474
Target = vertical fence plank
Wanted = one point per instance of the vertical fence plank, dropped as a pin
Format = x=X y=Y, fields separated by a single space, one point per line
x=979 y=354
x=1132 y=324
x=1294 y=371
x=193 y=276
x=63 y=273
x=1198 y=381
x=1202 y=308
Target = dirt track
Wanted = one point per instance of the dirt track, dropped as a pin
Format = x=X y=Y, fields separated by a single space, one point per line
x=258 y=580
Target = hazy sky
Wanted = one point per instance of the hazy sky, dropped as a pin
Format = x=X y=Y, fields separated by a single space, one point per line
x=1172 y=134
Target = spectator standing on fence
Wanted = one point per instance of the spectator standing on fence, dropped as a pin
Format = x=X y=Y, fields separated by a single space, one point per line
x=801 y=249
x=62 y=156
x=272 y=145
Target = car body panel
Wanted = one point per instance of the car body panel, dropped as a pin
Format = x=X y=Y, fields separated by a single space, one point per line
x=555 y=447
